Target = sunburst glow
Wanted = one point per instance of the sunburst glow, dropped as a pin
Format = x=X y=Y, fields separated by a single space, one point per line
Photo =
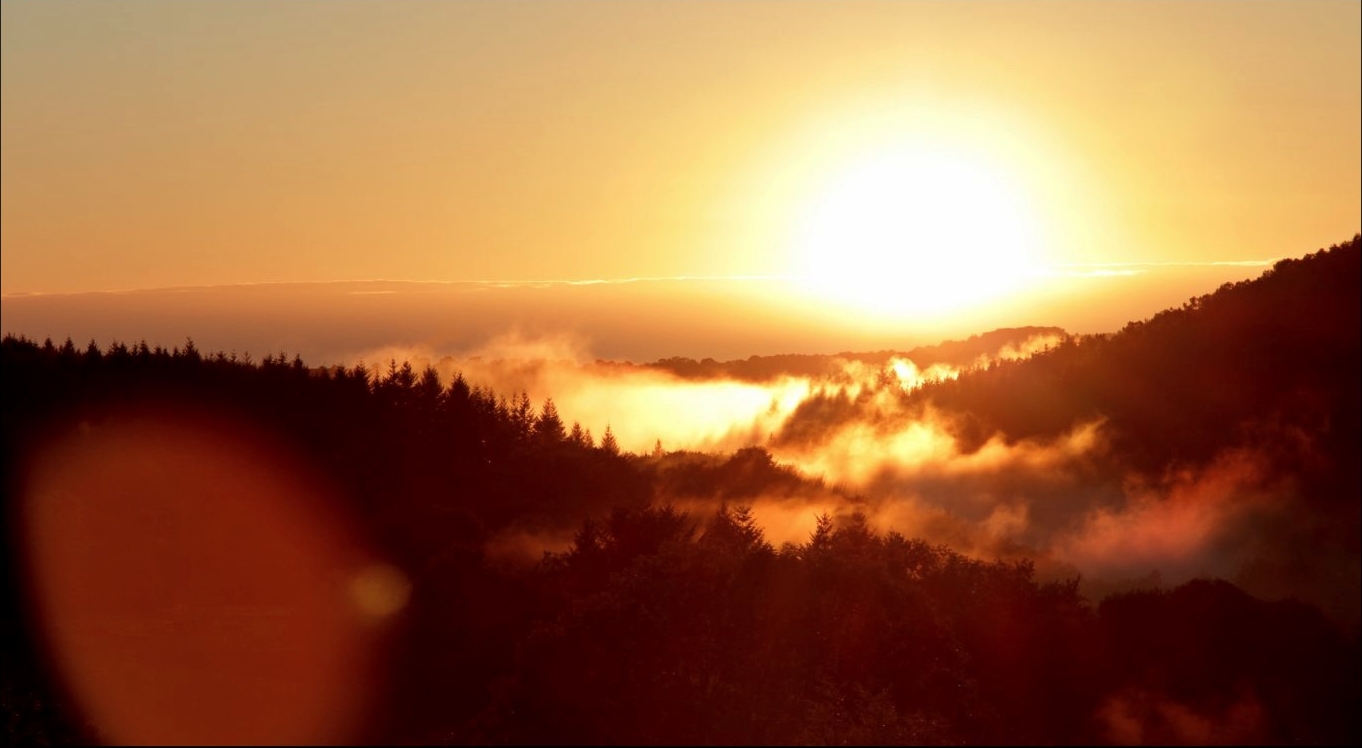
x=916 y=229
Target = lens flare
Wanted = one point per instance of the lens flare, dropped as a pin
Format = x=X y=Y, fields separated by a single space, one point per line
x=189 y=577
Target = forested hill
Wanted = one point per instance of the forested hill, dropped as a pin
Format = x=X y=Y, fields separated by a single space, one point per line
x=1239 y=409
x=653 y=625
x=1260 y=362
x=983 y=348
x=1271 y=364
x=648 y=624
x=1255 y=385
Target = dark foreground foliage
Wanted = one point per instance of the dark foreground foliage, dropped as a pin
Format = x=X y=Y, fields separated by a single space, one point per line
x=658 y=626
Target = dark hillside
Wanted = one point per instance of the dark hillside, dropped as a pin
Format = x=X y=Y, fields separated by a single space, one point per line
x=657 y=625
x=1272 y=360
x=984 y=347
x=1263 y=374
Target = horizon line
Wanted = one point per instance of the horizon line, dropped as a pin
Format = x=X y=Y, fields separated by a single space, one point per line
x=1054 y=268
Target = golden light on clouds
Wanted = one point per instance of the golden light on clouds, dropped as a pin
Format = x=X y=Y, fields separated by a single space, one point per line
x=548 y=371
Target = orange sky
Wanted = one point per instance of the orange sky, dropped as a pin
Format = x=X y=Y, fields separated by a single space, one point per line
x=164 y=144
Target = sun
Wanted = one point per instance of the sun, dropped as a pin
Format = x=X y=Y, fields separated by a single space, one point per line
x=915 y=229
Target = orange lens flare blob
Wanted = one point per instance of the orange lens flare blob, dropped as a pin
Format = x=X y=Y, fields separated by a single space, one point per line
x=196 y=585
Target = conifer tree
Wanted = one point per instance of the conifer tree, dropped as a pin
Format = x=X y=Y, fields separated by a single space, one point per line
x=577 y=436
x=608 y=443
x=548 y=428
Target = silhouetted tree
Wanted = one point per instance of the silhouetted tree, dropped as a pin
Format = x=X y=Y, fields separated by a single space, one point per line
x=548 y=428
x=608 y=443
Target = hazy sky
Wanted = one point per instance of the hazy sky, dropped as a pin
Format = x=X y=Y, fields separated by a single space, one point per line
x=165 y=144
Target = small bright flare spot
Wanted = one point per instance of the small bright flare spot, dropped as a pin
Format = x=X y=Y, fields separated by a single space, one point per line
x=917 y=229
x=380 y=590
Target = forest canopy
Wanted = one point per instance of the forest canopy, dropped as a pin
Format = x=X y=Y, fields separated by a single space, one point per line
x=556 y=588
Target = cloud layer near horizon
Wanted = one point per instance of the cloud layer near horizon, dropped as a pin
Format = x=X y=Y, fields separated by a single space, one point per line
x=639 y=320
x=1065 y=502
x=1061 y=501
